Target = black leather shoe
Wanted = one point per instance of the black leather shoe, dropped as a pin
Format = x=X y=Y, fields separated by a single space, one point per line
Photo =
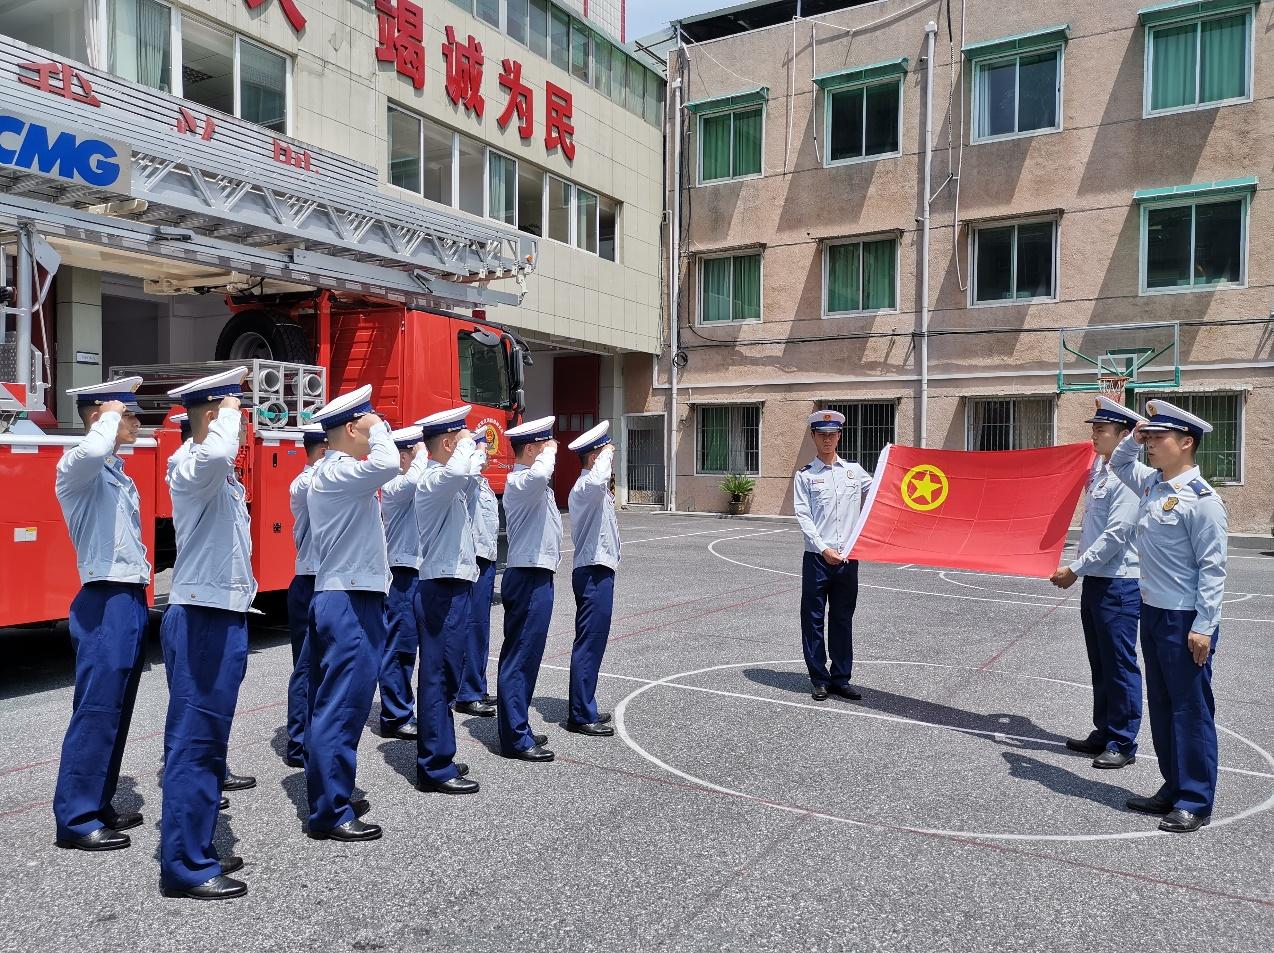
x=360 y=807
x=456 y=785
x=541 y=740
x=1183 y=822
x=354 y=830
x=101 y=839
x=845 y=691
x=218 y=888
x=1085 y=745
x=478 y=708
x=603 y=717
x=223 y=804
x=121 y=822
x=230 y=864
x=488 y=699
x=237 y=782
x=535 y=753
x=819 y=693
x=407 y=732
x=461 y=767
x=1149 y=805
x=1111 y=759
x=294 y=762
x=594 y=728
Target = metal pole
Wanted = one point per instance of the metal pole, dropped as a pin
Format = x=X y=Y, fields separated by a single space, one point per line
x=25 y=303
x=931 y=30
x=674 y=295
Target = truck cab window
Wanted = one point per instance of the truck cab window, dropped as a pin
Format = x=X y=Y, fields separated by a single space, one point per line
x=484 y=373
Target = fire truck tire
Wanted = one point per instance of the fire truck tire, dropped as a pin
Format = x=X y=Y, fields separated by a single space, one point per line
x=266 y=336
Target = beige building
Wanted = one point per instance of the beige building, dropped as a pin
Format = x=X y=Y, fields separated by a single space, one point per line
x=1099 y=167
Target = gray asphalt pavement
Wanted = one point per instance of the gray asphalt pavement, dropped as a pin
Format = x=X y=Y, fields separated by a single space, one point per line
x=732 y=812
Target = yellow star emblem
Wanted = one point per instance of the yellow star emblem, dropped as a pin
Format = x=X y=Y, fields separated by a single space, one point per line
x=924 y=487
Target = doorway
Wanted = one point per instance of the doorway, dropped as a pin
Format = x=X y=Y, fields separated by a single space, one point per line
x=644 y=453
x=576 y=397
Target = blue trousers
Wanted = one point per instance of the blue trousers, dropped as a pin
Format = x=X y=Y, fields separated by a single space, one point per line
x=1108 y=611
x=829 y=592
x=444 y=607
x=347 y=639
x=473 y=675
x=527 y=594
x=108 y=629
x=594 y=598
x=397 y=704
x=300 y=594
x=206 y=653
x=1182 y=712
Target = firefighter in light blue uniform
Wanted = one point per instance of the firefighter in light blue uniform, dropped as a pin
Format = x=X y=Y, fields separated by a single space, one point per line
x=300 y=594
x=827 y=496
x=204 y=635
x=402 y=540
x=108 y=617
x=347 y=616
x=449 y=566
x=1110 y=600
x=534 y=528
x=484 y=516
x=1181 y=539
x=595 y=536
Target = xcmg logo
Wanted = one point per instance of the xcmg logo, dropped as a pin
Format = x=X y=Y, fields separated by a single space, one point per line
x=61 y=153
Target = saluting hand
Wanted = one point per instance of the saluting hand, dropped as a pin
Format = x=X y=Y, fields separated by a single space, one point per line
x=113 y=407
x=230 y=402
x=419 y=451
x=366 y=423
x=1064 y=578
x=1200 y=646
x=1139 y=432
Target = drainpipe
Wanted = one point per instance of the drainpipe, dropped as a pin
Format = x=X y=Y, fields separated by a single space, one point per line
x=25 y=302
x=674 y=295
x=931 y=30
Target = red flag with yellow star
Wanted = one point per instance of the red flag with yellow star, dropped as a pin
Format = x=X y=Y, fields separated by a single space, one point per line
x=1004 y=511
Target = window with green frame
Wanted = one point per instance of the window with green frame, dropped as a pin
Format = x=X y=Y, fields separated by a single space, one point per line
x=1220 y=453
x=1198 y=62
x=1014 y=262
x=1194 y=245
x=730 y=288
x=1018 y=94
x=862 y=121
x=860 y=276
x=730 y=144
x=729 y=439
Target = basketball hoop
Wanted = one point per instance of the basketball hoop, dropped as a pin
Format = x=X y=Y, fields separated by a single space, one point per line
x=1112 y=386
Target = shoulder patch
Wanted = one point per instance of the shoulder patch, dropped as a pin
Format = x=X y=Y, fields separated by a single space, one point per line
x=804 y=468
x=1200 y=488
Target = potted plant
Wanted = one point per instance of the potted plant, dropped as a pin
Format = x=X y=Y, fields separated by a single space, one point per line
x=739 y=487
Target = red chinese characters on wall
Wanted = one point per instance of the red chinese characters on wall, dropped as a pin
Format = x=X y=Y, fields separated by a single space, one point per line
x=290 y=10
x=402 y=38
x=59 y=79
x=559 y=131
x=464 y=72
x=521 y=100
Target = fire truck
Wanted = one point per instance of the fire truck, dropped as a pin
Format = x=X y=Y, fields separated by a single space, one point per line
x=328 y=283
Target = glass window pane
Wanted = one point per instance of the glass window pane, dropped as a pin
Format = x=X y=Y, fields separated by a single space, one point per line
x=559 y=209
x=502 y=181
x=843 y=271
x=207 y=65
x=618 y=76
x=516 y=19
x=1035 y=260
x=654 y=99
x=747 y=142
x=846 y=136
x=714 y=439
x=1168 y=247
x=714 y=145
x=579 y=50
x=437 y=163
x=530 y=199
x=404 y=150
x=585 y=220
x=538 y=27
x=263 y=78
x=718 y=278
x=1173 y=64
x=997 y=106
x=465 y=5
x=55 y=25
x=882 y=119
x=635 y=99
x=601 y=65
x=993 y=277
x=1037 y=91
x=559 y=38
x=488 y=10
x=879 y=284
x=1223 y=46
x=1218 y=242
x=607 y=228
x=747 y=287
x=472 y=164
x=141 y=42
x=484 y=372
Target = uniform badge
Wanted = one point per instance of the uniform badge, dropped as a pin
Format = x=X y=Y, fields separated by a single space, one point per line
x=1170 y=504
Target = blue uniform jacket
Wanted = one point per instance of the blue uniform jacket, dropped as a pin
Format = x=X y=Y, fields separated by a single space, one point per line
x=1106 y=548
x=827 y=501
x=532 y=521
x=442 y=514
x=484 y=515
x=594 y=526
x=306 y=554
x=398 y=510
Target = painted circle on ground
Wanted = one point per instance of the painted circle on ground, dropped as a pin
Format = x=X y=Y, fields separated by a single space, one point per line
x=621 y=711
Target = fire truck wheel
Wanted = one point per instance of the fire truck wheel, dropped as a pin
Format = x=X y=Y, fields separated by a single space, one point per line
x=265 y=336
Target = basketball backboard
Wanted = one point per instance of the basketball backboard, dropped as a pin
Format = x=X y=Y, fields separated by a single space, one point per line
x=1132 y=356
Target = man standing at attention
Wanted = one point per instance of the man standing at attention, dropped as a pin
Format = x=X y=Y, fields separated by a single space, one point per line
x=484 y=515
x=827 y=495
x=595 y=535
x=108 y=617
x=300 y=594
x=1110 y=600
x=1181 y=540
